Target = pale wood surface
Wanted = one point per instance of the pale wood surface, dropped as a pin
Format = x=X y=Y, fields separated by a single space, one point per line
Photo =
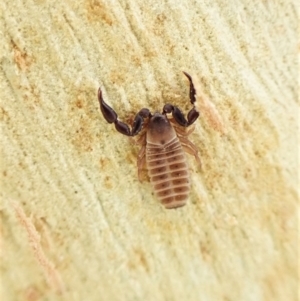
x=76 y=223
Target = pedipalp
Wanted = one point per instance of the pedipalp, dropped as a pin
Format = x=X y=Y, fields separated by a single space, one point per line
x=111 y=117
x=192 y=115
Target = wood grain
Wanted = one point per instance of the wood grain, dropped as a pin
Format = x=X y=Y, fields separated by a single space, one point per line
x=76 y=222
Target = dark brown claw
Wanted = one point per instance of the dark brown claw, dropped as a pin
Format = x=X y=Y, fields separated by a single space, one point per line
x=177 y=114
x=192 y=88
x=111 y=117
x=108 y=113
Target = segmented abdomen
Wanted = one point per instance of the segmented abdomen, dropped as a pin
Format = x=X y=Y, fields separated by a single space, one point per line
x=168 y=172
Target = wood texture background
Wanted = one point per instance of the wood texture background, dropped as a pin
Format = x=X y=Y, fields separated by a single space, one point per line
x=76 y=223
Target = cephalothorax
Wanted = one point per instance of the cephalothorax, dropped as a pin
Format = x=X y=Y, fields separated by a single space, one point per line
x=163 y=142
